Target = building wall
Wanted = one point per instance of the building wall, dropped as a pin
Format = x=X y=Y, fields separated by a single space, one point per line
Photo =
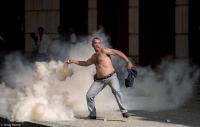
x=44 y=13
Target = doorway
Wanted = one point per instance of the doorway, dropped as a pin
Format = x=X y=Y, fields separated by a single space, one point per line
x=113 y=17
x=12 y=25
x=194 y=31
x=73 y=13
x=157 y=30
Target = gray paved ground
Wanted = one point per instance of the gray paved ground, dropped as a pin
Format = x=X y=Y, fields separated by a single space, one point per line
x=186 y=116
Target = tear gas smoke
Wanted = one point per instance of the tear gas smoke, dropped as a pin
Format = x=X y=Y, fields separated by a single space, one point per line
x=169 y=87
x=54 y=91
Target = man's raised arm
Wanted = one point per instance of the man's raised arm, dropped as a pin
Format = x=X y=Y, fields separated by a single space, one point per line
x=118 y=53
x=90 y=61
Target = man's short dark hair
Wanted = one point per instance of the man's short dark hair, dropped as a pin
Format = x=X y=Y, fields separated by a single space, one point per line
x=96 y=38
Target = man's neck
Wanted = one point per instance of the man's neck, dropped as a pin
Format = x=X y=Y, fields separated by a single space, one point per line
x=97 y=51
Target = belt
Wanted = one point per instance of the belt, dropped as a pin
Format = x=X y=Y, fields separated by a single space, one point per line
x=95 y=77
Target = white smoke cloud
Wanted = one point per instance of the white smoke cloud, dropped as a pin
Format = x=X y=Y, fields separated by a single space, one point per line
x=38 y=91
x=169 y=87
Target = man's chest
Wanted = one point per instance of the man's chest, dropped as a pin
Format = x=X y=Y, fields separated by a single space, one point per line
x=101 y=58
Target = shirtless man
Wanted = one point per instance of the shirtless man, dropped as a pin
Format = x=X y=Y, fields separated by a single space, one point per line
x=105 y=76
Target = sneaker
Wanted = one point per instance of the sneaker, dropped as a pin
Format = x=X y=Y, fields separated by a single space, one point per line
x=125 y=115
x=91 y=117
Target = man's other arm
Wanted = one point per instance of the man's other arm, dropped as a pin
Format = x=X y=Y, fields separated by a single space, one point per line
x=90 y=61
x=120 y=54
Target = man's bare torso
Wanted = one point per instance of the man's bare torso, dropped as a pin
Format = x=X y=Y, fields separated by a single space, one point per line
x=103 y=64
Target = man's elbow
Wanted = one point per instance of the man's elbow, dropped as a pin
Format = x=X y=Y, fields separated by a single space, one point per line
x=82 y=63
x=86 y=64
x=117 y=53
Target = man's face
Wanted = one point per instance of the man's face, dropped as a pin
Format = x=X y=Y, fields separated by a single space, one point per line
x=96 y=44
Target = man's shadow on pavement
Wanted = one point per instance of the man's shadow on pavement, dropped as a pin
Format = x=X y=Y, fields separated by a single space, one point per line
x=99 y=118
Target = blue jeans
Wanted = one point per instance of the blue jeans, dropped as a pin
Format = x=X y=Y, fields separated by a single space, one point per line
x=98 y=86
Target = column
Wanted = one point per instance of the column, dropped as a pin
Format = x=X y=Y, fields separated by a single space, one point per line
x=92 y=16
x=134 y=29
x=181 y=29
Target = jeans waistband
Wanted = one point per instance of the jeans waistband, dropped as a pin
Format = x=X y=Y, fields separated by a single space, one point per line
x=95 y=77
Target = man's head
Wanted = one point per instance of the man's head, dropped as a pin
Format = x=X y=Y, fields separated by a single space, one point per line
x=96 y=43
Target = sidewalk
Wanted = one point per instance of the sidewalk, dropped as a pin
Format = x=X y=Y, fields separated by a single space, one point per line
x=186 y=116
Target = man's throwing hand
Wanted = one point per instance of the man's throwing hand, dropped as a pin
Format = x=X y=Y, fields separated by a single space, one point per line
x=69 y=61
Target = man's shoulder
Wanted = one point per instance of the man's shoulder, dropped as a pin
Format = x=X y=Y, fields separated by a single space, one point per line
x=105 y=49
